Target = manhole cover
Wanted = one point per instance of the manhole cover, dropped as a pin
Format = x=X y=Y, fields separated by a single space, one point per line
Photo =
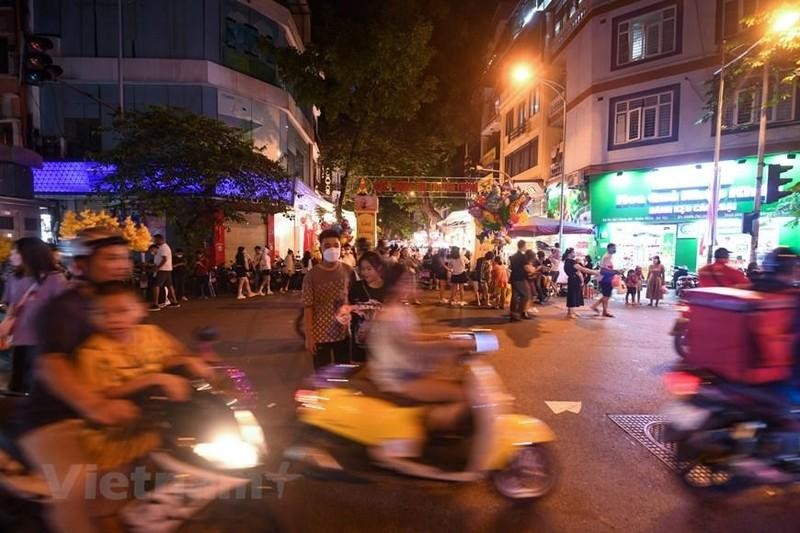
x=648 y=430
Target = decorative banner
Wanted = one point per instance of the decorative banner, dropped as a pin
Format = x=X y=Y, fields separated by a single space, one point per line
x=367 y=227
x=384 y=186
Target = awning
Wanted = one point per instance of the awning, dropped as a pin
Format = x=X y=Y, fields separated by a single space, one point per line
x=457 y=218
x=537 y=226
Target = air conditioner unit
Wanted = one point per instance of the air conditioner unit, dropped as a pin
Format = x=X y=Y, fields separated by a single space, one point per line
x=10 y=106
x=11 y=131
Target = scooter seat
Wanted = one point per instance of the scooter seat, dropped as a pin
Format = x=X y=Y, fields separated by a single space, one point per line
x=367 y=387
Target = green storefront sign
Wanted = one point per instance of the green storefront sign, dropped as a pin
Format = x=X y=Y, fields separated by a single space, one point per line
x=679 y=193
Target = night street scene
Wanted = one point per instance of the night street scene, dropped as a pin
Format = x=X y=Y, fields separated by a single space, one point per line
x=399 y=266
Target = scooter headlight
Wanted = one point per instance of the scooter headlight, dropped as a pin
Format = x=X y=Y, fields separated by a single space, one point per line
x=229 y=452
x=232 y=451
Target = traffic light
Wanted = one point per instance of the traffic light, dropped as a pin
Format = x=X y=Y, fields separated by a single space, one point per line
x=775 y=182
x=747 y=222
x=37 y=65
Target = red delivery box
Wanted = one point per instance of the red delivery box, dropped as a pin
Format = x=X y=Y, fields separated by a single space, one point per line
x=742 y=335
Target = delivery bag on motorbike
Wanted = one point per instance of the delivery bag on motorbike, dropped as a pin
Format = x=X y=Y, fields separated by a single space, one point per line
x=742 y=335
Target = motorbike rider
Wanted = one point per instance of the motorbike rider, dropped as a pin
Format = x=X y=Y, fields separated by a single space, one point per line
x=60 y=401
x=405 y=360
x=720 y=274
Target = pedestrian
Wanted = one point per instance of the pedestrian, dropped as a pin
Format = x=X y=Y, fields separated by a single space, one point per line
x=325 y=291
x=607 y=274
x=458 y=276
x=362 y=246
x=412 y=267
x=202 y=279
x=440 y=273
x=179 y=275
x=163 y=274
x=243 y=266
x=372 y=269
x=544 y=276
x=639 y=275
x=588 y=281
x=720 y=273
x=555 y=262
x=348 y=258
x=520 y=288
x=655 y=282
x=632 y=283
x=33 y=283
x=264 y=269
x=533 y=269
x=574 y=272
x=500 y=282
x=289 y=269
x=483 y=276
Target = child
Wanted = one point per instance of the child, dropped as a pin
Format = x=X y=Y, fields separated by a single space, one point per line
x=632 y=282
x=124 y=358
x=640 y=274
x=500 y=282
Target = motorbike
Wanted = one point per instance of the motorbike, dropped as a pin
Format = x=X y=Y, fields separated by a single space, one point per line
x=344 y=406
x=729 y=437
x=211 y=445
x=687 y=281
x=680 y=330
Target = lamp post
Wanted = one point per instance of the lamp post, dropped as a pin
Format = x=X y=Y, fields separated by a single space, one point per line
x=522 y=73
x=783 y=23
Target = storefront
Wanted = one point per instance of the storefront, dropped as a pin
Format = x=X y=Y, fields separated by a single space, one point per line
x=664 y=212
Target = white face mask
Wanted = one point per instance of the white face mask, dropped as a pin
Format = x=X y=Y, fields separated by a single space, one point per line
x=331 y=255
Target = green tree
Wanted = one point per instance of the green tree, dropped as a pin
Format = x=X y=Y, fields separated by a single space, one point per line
x=365 y=71
x=190 y=168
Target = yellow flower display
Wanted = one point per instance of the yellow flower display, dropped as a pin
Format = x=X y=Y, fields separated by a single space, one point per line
x=138 y=235
x=5 y=249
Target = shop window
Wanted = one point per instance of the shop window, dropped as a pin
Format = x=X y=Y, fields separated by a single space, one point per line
x=644 y=118
x=744 y=108
x=645 y=35
x=6 y=222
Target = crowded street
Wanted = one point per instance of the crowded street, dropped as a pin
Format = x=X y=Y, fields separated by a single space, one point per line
x=609 y=366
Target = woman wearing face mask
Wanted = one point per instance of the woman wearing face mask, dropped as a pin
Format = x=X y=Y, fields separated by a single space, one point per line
x=372 y=270
x=35 y=281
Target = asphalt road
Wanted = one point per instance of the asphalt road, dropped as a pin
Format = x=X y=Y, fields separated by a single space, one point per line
x=609 y=482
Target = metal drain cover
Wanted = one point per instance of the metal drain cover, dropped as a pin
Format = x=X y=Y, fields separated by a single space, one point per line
x=648 y=430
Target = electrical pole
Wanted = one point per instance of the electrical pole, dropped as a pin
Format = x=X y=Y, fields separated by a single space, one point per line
x=762 y=142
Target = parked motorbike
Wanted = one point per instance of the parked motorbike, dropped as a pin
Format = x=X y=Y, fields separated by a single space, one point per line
x=211 y=444
x=689 y=280
x=729 y=436
x=512 y=449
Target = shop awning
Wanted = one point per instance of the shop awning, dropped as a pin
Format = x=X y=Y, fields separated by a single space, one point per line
x=537 y=226
x=457 y=218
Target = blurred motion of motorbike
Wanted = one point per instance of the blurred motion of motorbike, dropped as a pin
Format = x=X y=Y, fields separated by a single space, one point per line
x=345 y=412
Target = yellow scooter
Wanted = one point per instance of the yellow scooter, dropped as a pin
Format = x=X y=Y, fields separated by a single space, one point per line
x=510 y=448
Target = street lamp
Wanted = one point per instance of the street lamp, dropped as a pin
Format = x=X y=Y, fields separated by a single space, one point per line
x=522 y=73
x=784 y=23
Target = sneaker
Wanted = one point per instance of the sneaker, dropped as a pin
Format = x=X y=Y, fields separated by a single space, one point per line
x=174 y=305
x=154 y=308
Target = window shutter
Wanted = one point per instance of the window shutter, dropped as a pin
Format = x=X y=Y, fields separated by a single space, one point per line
x=668 y=36
x=664 y=120
x=649 y=123
x=745 y=104
x=651 y=39
x=637 y=41
x=633 y=124
x=784 y=108
x=623 y=48
x=620 y=129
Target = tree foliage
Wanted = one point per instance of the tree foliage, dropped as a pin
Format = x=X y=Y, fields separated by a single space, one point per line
x=190 y=168
x=394 y=80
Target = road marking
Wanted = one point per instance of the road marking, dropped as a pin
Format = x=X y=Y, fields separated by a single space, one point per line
x=560 y=407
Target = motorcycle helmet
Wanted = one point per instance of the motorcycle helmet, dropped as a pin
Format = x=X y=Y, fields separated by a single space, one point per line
x=781 y=260
x=89 y=240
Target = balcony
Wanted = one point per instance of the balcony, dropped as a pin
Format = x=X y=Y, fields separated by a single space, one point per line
x=555 y=113
x=567 y=19
x=518 y=131
x=489 y=158
x=490 y=121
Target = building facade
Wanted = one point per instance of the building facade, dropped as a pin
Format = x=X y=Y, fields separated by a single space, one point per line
x=639 y=138
x=211 y=57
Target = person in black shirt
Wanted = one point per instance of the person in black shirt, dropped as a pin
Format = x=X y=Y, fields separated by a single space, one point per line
x=520 y=288
x=369 y=288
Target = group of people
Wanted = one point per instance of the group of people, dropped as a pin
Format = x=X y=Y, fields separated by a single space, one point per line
x=80 y=350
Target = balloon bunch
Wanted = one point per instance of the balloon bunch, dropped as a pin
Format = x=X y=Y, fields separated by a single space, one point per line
x=497 y=208
x=342 y=227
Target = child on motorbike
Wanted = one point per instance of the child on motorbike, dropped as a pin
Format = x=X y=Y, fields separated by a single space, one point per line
x=126 y=357
x=405 y=360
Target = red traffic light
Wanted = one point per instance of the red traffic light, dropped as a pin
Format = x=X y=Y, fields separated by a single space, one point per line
x=38 y=44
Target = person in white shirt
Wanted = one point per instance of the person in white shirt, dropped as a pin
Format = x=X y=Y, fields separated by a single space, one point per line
x=607 y=274
x=458 y=277
x=262 y=263
x=163 y=274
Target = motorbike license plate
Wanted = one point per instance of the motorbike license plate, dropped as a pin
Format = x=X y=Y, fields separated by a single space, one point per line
x=684 y=416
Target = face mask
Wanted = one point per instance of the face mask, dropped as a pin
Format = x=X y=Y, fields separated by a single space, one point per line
x=15 y=259
x=331 y=255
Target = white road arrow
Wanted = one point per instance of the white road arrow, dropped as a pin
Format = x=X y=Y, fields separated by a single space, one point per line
x=560 y=407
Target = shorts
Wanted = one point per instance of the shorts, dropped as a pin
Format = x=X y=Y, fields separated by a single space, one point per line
x=163 y=279
x=441 y=276
x=459 y=278
x=606 y=288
